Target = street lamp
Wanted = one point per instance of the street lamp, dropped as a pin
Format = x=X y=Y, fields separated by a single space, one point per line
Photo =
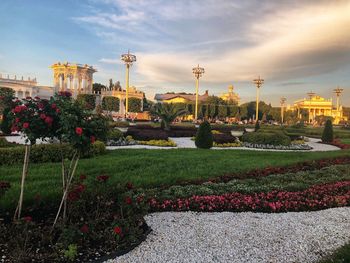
x=198 y=72
x=283 y=100
x=310 y=94
x=258 y=82
x=338 y=91
x=128 y=60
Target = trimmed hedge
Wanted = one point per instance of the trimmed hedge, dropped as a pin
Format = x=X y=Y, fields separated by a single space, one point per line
x=276 y=138
x=327 y=135
x=4 y=143
x=224 y=138
x=42 y=153
x=146 y=134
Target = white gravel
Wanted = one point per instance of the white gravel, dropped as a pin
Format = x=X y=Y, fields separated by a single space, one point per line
x=186 y=142
x=241 y=237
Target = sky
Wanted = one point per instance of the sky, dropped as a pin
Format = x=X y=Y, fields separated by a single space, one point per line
x=295 y=46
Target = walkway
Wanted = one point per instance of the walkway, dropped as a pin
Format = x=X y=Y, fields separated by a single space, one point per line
x=241 y=237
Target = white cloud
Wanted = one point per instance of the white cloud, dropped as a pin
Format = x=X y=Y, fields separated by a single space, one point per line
x=110 y=60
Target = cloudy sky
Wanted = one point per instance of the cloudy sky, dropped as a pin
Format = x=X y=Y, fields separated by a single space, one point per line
x=296 y=46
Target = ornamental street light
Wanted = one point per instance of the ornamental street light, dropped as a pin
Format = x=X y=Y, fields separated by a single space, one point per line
x=283 y=100
x=198 y=72
x=310 y=94
x=128 y=60
x=338 y=91
x=258 y=82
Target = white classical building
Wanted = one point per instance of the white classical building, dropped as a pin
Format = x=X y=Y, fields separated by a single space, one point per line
x=25 y=87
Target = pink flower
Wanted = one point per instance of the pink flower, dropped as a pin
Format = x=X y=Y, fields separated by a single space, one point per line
x=42 y=116
x=26 y=125
x=53 y=105
x=48 y=120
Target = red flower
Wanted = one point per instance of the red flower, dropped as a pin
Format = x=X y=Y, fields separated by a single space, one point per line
x=53 y=106
x=92 y=139
x=128 y=200
x=79 y=131
x=82 y=177
x=102 y=178
x=80 y=188
x=42 y=116
x=26 y=125
x=84 y=229
x=17 y=109
x=14 y=128
x=117 y=230
x=129 y=185
x=58 y=110
x=48 y=120
x=17 y=120
x=27 y=219
x=41 y=106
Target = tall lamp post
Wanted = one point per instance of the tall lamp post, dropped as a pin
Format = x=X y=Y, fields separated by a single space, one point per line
x=128 y=60
x=283 y=100
x=198 y=72
x=338 y=91
x=258 y=83
x=310 y=94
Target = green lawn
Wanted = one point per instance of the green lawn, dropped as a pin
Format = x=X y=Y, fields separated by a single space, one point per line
x=150 y=168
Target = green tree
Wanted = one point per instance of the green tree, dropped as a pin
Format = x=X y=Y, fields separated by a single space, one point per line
x=6 y=96
x=110 y=103
x=327 y=135
x=98 y=87
x=167 y=112
x=204 y=137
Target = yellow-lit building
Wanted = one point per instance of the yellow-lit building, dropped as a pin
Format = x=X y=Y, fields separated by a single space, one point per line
x=319 y=106
x=180 y=97
x=230 y=96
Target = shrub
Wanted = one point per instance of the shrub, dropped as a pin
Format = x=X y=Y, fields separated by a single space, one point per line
x=110 y=103
x=224 y=138
x=161 y=143
x=88 y=101
x=114 y=134
x=5 y=143
x=146 y=134
x=257 y=126
x=327 y=135
x=276 y=138
x=204 y=136
x=5 y=126
x=45 y=153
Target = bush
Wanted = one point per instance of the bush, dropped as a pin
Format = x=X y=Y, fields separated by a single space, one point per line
x=121 y=124
x=327 y=135
x=110 y=103
x=5 y=126
x=4 y=143
x=276 y=138
x=114 y=134
x=204 y=136
x=146 y=134
x=87 y=100
x=42 y=153
x=257 y=126
x=224 y=138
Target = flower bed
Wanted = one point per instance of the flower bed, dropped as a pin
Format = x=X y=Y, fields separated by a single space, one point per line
x=161 y=143
x=313 y=198
x=339 y=144
x=293 y=147
x=227 y=145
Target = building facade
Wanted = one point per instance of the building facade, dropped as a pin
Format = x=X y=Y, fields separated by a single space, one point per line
x=230 y=96
x=180 y=97
x=319 y=106
x=25 y=87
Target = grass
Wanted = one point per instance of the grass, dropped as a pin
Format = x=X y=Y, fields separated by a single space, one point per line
x=341 y=255
x=149 y=168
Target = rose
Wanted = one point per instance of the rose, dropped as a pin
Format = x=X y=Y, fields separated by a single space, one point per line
x=26 y=125
x=40 y=106
x=129 y=185
x=79 y=131
x=48 y=120
x=92 y=139
x=117 y=230
x=84 y=229
x=27 y=219
x=128 y=200
x=58 y=110
x=42 y=116
x=53 y=106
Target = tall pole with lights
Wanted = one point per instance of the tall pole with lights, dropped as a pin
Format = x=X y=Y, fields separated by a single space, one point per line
x=128 y=60
x=198 y=72
x=283 y=100
x=338 y=91
x=258 y=83
x=310 y=94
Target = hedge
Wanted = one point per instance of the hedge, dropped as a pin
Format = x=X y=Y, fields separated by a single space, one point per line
x=42 y=153
x=87 y=100
x=276 y=138
x=146 y=134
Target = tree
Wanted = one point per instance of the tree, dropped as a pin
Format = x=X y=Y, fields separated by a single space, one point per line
x=110 y=103
x=98 y=87
x=327 y=135
x=6 y=96
x=134 y=105
x=204 y=137
x=167 y=112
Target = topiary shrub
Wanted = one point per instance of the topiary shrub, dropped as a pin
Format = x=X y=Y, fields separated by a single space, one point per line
x=204 y=136
x=327 y=135
x=264 y=138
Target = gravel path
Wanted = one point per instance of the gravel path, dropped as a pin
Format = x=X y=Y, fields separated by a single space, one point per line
x=186 y=142
x=241 y=237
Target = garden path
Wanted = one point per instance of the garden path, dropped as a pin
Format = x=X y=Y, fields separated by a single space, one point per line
x=241 y=237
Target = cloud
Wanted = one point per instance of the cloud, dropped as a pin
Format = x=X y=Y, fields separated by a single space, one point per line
x=110 y=60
